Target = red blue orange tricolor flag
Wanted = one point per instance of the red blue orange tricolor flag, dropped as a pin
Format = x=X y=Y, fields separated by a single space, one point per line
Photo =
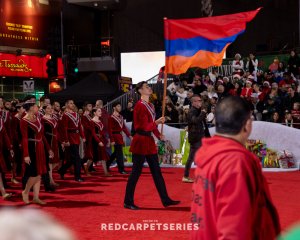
x=201 y=42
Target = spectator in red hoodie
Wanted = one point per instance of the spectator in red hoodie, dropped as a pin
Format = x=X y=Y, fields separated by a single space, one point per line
x=230 y=196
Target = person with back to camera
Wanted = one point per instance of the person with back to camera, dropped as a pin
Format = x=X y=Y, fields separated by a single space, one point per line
x=230 y=196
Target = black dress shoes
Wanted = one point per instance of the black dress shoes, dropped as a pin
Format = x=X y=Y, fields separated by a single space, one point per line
x=62 y=175
x=170 y=203
x=79 y=180
x=131 y=206
x=92 y=169
x=49 y=188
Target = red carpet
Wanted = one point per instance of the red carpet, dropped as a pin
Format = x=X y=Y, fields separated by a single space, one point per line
x=84 y=207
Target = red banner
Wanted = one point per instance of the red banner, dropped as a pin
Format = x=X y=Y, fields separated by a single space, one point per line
x=26 y=66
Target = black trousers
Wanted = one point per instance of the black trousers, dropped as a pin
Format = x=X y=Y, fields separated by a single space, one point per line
x=118 y=155
x=193 y=149
x=138 y=161
x=74 y=159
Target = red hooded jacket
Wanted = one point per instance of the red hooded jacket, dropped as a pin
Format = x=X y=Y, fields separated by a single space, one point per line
x=230 y=197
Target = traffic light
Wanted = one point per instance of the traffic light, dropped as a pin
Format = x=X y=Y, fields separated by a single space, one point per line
x=52 y=66
x=73 y=65
x=105 y=48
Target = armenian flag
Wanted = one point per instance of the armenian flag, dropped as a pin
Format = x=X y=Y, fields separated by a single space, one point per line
x=201 y=42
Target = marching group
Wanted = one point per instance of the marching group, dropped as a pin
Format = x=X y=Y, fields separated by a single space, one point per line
x=35 y=140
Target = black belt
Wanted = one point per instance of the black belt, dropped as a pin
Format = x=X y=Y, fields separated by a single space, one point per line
x=116 y=132
x=144 y=133
x=73 y=131
x=51 y=134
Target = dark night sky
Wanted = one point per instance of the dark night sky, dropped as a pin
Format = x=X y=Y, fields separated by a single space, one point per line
x=139 y=25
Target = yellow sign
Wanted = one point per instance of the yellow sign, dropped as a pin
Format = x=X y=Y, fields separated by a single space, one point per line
x=20 y=66
x=18 y=27
x=125 y=84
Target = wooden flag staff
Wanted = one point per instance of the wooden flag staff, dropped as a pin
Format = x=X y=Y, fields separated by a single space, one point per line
x=165 y=92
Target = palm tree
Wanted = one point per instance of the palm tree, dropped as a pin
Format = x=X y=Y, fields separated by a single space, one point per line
x=206 y=8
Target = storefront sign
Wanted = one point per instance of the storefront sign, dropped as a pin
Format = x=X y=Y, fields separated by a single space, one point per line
x=26 y=66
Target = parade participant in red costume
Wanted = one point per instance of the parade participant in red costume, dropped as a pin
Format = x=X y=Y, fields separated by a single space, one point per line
x=50 y=131
x=230 y=196
x=86 y=121
x=143 y=148
x=4 y=145
x=17 y=140
x=34 y=144
x=104 y=115
x=57 y=115
x=99 y=141
x=5 y=115
x=44 y=101
x=71 y=138
x=116 y=127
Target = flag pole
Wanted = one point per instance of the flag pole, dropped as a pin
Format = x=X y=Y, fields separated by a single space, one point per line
x=164 y=99
x=165 y=91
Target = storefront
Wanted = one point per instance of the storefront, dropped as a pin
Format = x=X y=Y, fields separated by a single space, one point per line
x=25 y=74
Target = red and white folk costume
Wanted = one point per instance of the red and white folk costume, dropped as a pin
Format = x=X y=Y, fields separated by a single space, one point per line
x=144 y=122
x=72 y=128
x=98 y=135
x=116 y=127
x=86 y=121
x=50 y=131
x=34 y=144
x=7 y=119
x=4 y=144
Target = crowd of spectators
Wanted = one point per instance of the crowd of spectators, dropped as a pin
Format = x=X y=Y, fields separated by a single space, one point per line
x=273 y=94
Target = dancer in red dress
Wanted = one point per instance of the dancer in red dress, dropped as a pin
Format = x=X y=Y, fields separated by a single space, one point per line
x=17 y=140
x=143 y=148
x=99 y=141
x=116 y=127
x=72 y=131
x=50 y=131
x=34 y=143
x=86 y=121
x=4 y=144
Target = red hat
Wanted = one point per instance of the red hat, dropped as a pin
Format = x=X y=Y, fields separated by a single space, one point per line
x=249 y=81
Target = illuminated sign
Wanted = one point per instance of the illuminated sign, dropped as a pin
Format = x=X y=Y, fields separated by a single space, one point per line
x=23 y=23
x=125 y=84
x=26 y=66
x=20 y=66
